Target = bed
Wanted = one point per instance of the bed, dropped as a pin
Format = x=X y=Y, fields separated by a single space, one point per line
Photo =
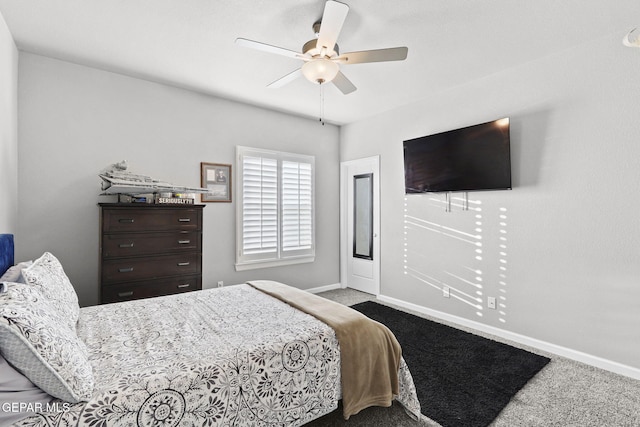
x=243 y=355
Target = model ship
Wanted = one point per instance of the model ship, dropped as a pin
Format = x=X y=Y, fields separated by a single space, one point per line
x=117 y=180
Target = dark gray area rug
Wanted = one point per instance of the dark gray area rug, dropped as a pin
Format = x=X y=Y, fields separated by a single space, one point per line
x=462 y=379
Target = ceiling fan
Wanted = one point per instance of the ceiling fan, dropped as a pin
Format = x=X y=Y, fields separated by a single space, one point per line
x=321 y=55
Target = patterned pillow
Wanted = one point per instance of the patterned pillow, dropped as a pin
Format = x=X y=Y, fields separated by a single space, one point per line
x=37 y=341
x=47 y=274
x=14 y=273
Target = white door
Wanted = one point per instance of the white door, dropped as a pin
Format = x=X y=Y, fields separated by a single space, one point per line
x=360 y=224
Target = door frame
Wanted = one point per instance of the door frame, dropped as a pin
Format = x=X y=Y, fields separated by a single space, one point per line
x=346 y=247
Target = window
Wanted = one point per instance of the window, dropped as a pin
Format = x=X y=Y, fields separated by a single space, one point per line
x=275 y=210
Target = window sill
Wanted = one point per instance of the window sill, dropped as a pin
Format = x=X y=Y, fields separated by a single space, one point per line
x=253 y=265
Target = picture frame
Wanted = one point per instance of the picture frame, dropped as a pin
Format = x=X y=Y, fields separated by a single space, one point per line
x=217 y=178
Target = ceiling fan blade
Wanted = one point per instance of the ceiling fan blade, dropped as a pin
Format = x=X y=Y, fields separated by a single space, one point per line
x=376 y=55
x=332 y=20
x=286 y=79
x=269 y=48
x=343 y=83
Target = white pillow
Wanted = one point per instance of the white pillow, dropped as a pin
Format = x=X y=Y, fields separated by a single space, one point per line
x=36 y=340
x=17 y=391
x=47 y=274
x=14 y=273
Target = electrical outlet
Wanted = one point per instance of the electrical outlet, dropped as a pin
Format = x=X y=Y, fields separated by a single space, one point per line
x=220 y=283
x=445 y=291
x=491 y=302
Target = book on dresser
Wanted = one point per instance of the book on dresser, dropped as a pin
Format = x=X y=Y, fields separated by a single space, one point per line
x=149 y=250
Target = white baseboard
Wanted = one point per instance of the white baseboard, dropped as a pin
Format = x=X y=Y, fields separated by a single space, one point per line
x=324 y=288
x=579 y=356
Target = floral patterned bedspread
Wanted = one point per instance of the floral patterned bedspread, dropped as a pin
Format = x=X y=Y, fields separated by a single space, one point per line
x=220 y=357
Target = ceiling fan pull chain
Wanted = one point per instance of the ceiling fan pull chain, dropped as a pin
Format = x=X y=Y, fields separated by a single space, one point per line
x=321 y=104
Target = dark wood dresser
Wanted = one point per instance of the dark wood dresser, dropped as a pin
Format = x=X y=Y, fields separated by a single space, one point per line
x=148 y=250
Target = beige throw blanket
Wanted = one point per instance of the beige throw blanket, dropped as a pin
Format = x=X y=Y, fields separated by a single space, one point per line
x=369 y=352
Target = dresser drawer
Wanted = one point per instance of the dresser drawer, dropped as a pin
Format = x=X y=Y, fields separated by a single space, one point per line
x=116 y=220
x=131 y=269
x=135 y=244
x=150 y=288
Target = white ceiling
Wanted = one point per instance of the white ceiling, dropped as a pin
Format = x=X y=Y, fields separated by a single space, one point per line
x=190 y=43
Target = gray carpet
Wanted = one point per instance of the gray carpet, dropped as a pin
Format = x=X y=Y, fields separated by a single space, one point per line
x=564 y=393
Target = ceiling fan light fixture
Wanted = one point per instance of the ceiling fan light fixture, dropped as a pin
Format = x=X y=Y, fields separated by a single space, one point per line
x=320 y=70
x=632 y=38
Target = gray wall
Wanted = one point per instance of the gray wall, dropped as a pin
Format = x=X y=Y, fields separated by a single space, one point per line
x=8 y=130
x=75 y=120
x=561 y=250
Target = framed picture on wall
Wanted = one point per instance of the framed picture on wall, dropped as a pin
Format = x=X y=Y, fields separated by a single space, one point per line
x=217 y=178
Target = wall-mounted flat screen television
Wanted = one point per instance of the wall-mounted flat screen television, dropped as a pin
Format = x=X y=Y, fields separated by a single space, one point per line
x=473 y=158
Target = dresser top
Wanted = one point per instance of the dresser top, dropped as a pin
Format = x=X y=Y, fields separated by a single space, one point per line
x=149 y=205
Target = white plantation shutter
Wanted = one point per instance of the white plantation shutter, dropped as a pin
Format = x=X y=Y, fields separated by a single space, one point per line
x=276 y=209
x=259 y=205
x=297 y=224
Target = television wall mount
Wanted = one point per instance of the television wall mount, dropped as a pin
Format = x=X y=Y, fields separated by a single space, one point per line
x=465 y=201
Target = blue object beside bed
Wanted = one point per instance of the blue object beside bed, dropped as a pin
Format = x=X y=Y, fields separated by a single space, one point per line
x=6 y=252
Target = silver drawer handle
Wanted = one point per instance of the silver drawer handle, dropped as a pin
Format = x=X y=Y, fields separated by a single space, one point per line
x=185 y=285
x=182 y=264
x=184 y=242
x=125 y=270
x=184 y=219
x=126 y=245
x=125 y=294
x=126 y=220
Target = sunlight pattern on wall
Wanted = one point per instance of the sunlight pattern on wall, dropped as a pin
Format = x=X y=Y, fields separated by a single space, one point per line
x=502 y=299
x=424 y=238
x=457 y=253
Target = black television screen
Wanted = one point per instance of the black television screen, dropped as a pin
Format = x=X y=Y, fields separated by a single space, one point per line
x=468 y=159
